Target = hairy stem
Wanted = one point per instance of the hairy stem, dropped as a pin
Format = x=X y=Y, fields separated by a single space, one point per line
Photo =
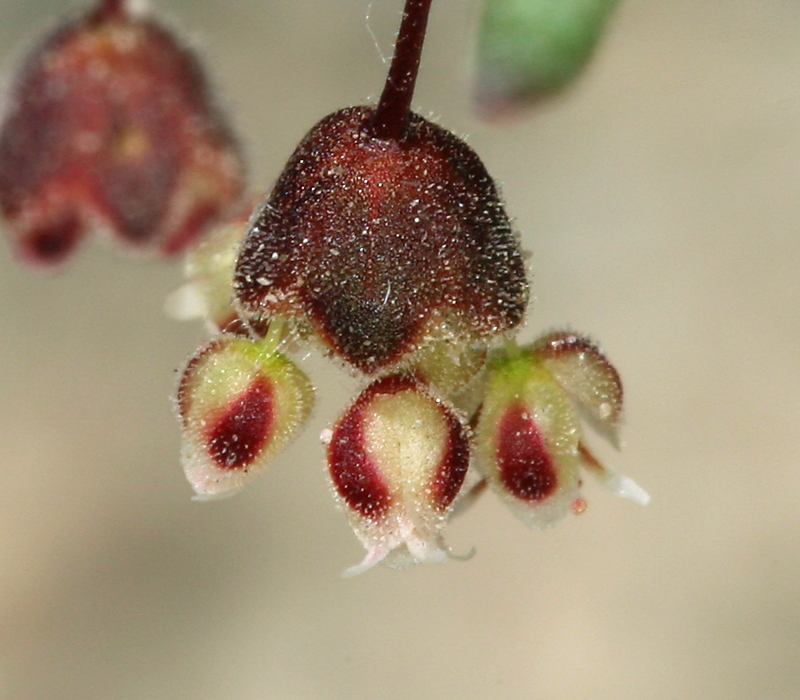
x=394 y=108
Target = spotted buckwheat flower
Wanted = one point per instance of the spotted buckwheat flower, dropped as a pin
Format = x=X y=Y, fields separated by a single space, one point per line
x=397 y=459
x=111 y=126
x=239 y=403
x=528 y=434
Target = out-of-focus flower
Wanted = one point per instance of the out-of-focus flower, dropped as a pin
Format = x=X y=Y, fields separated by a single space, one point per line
x=111 y=126
x=239 y=403
x=379 y=244
x=528 y=435
x=397 y=459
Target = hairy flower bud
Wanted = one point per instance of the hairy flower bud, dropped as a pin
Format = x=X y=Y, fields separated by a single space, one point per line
x=397 y=459
x=528 y=439
x=208 y=294
x=378 y=244
x=239 y=403
x=110 y=126
x=528 y=434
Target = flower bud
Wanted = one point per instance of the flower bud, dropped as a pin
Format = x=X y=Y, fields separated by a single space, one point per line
x=111 y=126
x=528 y=433
x=397 y=459
x=239 y=403
x=208 y=294
x=374 y=242
x=528 y=436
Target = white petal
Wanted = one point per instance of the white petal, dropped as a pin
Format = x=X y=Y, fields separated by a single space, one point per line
x=185 y=304
x=626 y=487
x=373 y=557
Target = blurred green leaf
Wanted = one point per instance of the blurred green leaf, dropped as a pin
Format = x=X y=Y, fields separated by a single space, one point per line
x=529 y=49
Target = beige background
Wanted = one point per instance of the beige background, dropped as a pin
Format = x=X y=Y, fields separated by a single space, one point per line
x=662 y=202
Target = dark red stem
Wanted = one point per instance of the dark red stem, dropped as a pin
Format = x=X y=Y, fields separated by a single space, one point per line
x=394 y=109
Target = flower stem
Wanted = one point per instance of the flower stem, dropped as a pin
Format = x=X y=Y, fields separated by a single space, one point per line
x=276 y=333
x=513 y=351
x=394 y=108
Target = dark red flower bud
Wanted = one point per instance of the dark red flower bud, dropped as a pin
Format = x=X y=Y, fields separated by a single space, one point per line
x=111 y=126
x=377 y=243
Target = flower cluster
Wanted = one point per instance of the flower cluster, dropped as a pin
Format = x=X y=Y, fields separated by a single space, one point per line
x=421 y=439
x=384 y=242
x=395 y=254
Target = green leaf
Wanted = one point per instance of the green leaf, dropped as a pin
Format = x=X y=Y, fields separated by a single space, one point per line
x=529 y=49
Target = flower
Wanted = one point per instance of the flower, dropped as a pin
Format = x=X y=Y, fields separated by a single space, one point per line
x=111 y=127
x=377 y=244
x=528 y=436
x=239 y=403
x=385 y=240
x=397 y=459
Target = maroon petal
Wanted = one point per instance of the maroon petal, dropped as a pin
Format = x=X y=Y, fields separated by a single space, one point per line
x=524 y=463
x=240 y=434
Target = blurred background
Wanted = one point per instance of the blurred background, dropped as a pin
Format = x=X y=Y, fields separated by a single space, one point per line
x=661 y=200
